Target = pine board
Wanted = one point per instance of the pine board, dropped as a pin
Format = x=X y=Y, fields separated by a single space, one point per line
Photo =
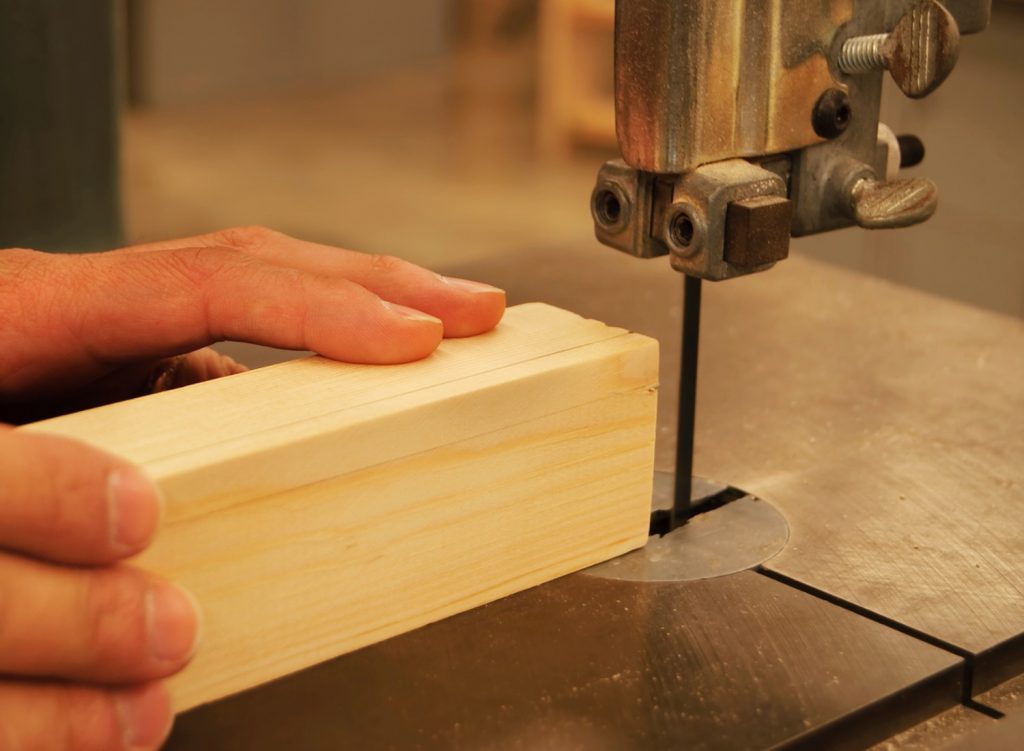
x=317 y=507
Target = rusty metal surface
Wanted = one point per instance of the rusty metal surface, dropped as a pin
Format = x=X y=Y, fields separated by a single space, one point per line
x=686 y=216
x=897 y=203
x=585 y=663
x=922 y=49
x=757 y=230
x=919 y=52
x=883 y=422
x=704 y=80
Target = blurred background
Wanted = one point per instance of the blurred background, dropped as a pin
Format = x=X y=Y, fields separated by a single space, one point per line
x=443 y=131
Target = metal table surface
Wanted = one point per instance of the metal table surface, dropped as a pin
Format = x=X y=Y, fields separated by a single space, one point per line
x=960 y=729
x=884 y=423
x=737 y=662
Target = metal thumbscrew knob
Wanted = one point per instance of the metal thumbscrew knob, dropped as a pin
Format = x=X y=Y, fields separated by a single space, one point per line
x=919 y=52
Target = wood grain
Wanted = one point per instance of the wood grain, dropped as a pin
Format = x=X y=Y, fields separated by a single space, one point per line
x=316 y=507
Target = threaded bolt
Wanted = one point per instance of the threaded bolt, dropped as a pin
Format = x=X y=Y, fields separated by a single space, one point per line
x=920 y=51
x=863 y=54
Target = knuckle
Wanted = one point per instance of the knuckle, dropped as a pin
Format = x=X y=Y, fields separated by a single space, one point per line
x=74 y=483
x=63 y=490
x=194 y=266
x=385 y=264
x=115 y=618
x=90 y=720
x=245 y=238
x=201 y=267
x=39 y=715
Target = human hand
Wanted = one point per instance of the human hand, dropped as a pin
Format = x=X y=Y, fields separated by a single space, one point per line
x=81 y=330
x=85 y=639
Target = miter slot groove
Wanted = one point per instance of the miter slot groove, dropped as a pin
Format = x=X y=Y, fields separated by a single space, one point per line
x=985 y=709
x=967 y=681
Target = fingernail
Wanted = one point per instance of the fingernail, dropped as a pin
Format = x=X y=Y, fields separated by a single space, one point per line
x=174 y=619
x=134 y=509
x=145 y=715
x=410 y=313
x=471 y=286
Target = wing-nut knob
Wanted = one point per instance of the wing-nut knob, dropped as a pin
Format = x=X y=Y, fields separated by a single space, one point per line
x=856 y=192
x=919 y=53
x=897 y=203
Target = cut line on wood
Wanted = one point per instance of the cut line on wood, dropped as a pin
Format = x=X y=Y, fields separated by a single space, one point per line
x=321 y=507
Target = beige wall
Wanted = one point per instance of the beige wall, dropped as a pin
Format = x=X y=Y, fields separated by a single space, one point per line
x=184 y=51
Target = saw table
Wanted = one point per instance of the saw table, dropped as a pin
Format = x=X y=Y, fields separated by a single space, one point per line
x=884 y=424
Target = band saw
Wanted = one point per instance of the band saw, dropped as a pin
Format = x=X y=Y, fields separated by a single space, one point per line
x=851 y=569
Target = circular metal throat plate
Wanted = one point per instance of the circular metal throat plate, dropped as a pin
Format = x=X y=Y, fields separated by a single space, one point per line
x=737 y=536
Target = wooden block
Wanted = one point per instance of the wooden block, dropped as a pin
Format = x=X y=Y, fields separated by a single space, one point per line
x=316 y=507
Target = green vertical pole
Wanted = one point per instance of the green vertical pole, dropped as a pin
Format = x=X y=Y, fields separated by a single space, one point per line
x=59 y=167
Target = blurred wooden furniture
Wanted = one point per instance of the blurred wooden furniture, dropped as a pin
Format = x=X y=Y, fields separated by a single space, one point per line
x=574 y=70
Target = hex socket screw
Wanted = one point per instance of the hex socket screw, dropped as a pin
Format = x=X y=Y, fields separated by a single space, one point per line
x=919 y=52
